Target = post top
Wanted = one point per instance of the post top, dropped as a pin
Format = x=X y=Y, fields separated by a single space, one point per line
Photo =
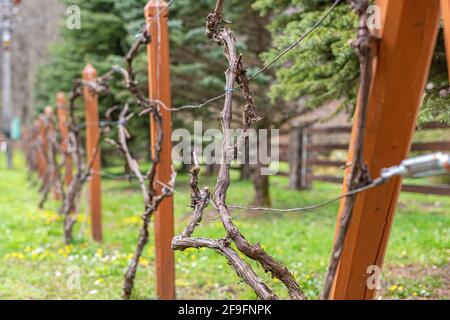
x=61 y=99
x=89 y=72
x=154 y=6
x=48 y=111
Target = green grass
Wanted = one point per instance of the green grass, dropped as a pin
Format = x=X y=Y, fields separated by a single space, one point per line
x=34 y=263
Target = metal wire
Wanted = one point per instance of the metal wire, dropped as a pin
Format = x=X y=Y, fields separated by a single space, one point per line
x=374 y=184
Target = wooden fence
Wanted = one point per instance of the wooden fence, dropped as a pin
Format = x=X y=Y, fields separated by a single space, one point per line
x=305 y=154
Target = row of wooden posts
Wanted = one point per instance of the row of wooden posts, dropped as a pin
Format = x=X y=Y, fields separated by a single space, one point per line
x=159 y=88
x=400 y=73
x=92 y=137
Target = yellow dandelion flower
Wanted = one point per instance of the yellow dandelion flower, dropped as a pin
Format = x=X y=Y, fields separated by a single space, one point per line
x=144 y=262
x=99 y=252
x=15 y=256
x=134 y=220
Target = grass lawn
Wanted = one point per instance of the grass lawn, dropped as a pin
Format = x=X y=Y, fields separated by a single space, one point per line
x=34 y=263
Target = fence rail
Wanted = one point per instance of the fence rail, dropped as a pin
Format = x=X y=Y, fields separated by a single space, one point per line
x=304 y=154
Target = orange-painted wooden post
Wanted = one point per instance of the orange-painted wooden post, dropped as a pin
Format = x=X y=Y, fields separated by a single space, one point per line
x=61 y=104
x=404 y=58
x=159 y=83
x=382 y=5
x=445 y=9
x=378 y=32
x=42 y=138
x=49 y=115
x=93 y=155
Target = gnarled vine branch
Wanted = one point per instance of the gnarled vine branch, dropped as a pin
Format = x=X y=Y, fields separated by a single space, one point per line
x=69 y=207
x=147 y=183
x=218 y=31
x=200 y=200
x=151 y=200
x=52 y=179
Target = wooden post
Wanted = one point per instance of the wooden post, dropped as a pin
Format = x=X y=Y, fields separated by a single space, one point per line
x=300 y=172
x=92 y=142
x=50 y=122
x=42 y=139
x=382 y=4
x=404 y=58
x=445 y=9
x=157 y=15
x=61 y=104
x=307 y=156
x=245 y=168
x=295 y=146
x=245 y=171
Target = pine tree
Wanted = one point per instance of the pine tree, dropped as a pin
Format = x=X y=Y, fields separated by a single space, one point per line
x=100 y=40
x=324 y=68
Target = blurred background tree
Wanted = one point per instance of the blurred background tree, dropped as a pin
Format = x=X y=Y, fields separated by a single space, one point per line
x=325 y=68
x=32 y=33
x=322 y=69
